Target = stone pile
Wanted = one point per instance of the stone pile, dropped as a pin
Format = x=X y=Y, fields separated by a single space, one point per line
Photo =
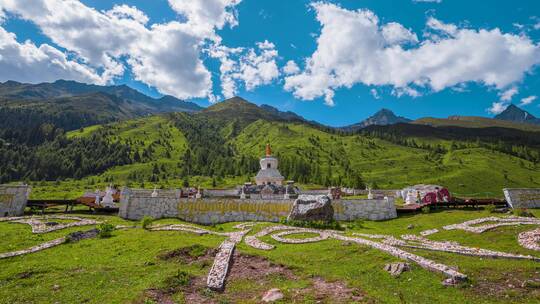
x=218 y=272
x=37 y=248
x=179 y=227
x=423 y=262
x=322 y=235
x=253 y=240
x=497 y=222
x=530 y=239
x=453 y=247
x=45 y=225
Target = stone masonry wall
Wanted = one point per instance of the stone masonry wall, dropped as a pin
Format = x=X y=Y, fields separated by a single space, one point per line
x=523 y=198
x=376 y=210
x=135 y=205
x=12 y=200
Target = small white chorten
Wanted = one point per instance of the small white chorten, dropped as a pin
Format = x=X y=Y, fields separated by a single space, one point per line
x=269 y=173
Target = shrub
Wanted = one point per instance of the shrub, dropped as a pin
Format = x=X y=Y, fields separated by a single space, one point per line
x=426 y=210
x=334 y=225
x=522 y=212
x=490 y=208
x=181 y=279
x=106 y=230
x=146 y=222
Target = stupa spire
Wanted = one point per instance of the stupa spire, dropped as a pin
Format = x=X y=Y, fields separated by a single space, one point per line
x=268 y=150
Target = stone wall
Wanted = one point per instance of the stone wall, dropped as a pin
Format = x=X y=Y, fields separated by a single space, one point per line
x=522 y=198
x=220 y=192
x=353 y=209
x=135 y=205
x=314 y=192
x=13 y=200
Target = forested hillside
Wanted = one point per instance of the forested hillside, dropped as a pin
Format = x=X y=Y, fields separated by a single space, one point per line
x=220 y=147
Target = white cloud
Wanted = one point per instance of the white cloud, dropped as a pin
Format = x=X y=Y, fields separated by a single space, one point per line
x=291 y=68
x=252 y=67
x=351 y=49
x=127 y=12
x=205 y=15
x=395 y=33
x=166 y=56
x=498 y=107
x=434 y=1
x=508 y=94
x=374 y=93
x=537 y=26
x=27 y=62
x=528 y=100
x=437 y=25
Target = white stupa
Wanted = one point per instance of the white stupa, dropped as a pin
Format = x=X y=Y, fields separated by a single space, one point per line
x=269 y=173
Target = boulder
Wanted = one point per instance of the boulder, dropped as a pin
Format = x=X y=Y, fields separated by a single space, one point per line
x=396 y=269
x=272 y=295
x=312 y=208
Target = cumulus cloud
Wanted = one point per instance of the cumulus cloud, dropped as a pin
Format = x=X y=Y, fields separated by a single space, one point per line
x=205 y=15
x=251 y=67
x=508 y=94
x=528 y=100
x=353 y=49
x=291 y=68
x=127 y=12
x=27 y=62
x=166 y=56
x=395 y=33
x=498 y=107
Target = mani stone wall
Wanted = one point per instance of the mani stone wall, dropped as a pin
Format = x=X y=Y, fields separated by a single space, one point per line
x=522 y=198
x=135 y=205
x=12 y=200
x=375 y=210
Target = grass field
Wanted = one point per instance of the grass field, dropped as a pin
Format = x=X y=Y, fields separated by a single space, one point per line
x=122 y=269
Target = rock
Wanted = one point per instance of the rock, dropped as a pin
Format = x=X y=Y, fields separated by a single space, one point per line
x=82 y=235
x=312 y=208
x=272 y=295
x=451 y=282
x=396 y=269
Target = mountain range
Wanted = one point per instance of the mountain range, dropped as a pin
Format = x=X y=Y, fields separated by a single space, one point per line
x=62 y=91
x=382 y=118
x=95 y=134
x=98 y=104
x=515 y=114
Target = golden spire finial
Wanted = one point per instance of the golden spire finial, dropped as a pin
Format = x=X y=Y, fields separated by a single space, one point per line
x=268 y=150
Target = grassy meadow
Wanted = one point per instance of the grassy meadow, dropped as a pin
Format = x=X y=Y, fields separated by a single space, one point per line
x=125 y=267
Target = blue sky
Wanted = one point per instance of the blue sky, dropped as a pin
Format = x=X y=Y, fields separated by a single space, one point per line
x=268 y=34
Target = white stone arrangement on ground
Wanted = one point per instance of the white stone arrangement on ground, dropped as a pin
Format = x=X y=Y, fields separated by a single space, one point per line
x=44 y=224
x=386 y=243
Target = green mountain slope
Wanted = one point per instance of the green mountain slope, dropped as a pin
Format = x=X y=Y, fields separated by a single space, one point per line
x=307 y=154
x=475 y=122
x=221 y=146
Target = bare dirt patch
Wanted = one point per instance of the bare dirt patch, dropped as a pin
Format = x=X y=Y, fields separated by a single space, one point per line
x=513 y=285
x=259 y=275
x=189 y=254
